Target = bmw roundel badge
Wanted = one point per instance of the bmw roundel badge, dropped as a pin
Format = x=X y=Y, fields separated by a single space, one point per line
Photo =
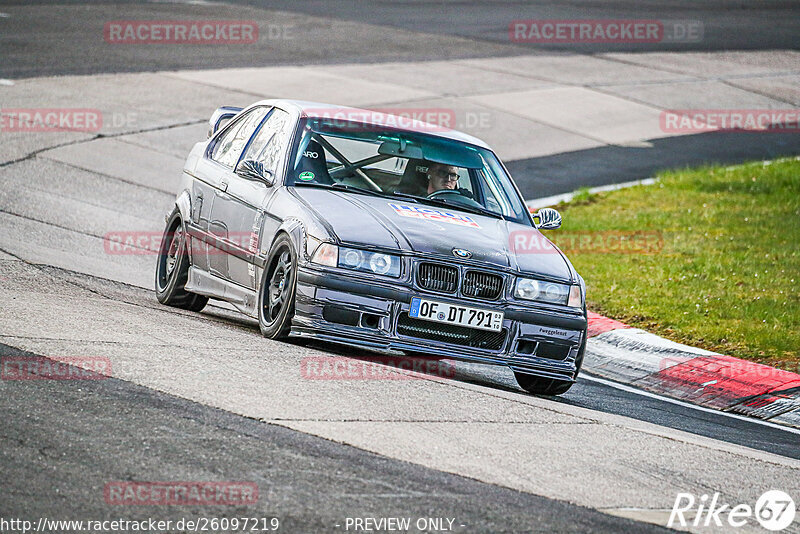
x=461 y=253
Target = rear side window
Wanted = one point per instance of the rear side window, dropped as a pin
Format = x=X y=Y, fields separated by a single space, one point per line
x=229 y=147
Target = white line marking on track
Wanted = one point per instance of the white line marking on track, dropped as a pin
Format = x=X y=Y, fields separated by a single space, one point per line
x=544 y=202
x=536 y=203
x=630 y=389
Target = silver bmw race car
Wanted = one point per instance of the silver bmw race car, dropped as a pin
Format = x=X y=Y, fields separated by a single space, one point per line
x=374 y=230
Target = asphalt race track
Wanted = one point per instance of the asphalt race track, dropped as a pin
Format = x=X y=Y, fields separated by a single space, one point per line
x=56 y=38
x=203 y=397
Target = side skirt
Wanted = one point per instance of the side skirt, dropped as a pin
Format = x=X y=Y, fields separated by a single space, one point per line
x=204 y=283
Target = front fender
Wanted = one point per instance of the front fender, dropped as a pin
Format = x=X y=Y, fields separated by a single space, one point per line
x=296 y=230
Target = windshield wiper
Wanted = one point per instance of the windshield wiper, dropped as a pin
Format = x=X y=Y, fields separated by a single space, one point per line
x=450 y=204
x=356 y=189
x=467 y=207
x=409 y=196
x=343 y=187
x=433 y=201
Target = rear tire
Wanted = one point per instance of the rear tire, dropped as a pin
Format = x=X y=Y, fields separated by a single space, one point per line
x=172 y=269
x=277 y=290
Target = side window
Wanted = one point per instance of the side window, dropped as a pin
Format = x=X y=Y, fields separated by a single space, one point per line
x=229 y=147
x=270 y=141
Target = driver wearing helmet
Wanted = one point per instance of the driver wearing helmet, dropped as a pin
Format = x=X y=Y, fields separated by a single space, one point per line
x=441 y=176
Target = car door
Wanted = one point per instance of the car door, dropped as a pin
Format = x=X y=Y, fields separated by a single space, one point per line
x=242 y=207
x=219 y=163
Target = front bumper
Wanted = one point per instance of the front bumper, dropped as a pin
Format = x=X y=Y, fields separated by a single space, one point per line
x=338 y=307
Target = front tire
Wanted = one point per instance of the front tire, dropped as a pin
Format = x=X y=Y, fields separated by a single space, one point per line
x=541 y=386
x=277 y=290
x=172 y=269
x=536 y=385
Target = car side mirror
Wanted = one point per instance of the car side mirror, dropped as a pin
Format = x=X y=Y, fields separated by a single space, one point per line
x=250 y=169
x=549 y=219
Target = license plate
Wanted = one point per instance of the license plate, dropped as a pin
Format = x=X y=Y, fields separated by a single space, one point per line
x=442 y=312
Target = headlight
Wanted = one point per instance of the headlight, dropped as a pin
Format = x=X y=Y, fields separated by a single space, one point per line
x=351 y=258
x=357 y=260
x=530 y=289
x=369 y=262
x=382 y=264
x=527 y=289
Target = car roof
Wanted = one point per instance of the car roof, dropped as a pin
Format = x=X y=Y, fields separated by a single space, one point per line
x=379 y=118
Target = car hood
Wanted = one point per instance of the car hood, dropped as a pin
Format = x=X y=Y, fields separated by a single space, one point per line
x=405 y=225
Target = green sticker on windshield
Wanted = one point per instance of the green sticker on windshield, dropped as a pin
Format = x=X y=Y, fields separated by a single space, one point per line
x=306 y=176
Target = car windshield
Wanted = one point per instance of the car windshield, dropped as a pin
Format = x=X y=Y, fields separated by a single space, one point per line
x=371 y=159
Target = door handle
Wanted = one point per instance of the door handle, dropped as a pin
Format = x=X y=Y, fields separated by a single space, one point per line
x=223 y=184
